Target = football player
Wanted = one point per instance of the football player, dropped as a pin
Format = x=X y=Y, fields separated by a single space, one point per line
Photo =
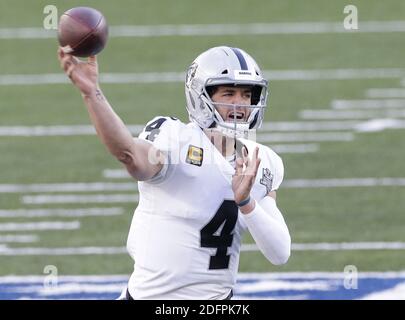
x=201 y=184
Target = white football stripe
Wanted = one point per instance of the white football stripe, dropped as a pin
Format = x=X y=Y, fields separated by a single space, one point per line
x=368 y=104
x=44 y=225
x=273 y=285
x=102 y=279
x=5 y=251
x=68 y=187
x=304 y=136
x=164 y=77
x=279 y=28
x=343 y=246
x=72 y=198
x=295 y=148
x=23 y=238
x=385 y=93
x=42 y=131
x=317 y=274
x=69 y=288
x=343 y=182
x=79 y=130
x=118 y=174
x=352 y=114
x=308 y=125
x=74 y=278
x=376 y=125
x=38 y=213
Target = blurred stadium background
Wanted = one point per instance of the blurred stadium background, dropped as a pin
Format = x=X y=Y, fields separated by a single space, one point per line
x=336 y=116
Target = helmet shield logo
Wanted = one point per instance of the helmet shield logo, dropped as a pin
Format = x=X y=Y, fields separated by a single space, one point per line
x=190 y=74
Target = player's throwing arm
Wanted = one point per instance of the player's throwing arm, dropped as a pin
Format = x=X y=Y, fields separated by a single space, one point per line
x=133 y=153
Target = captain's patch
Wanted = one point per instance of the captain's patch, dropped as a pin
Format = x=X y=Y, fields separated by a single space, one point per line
x=195 y=155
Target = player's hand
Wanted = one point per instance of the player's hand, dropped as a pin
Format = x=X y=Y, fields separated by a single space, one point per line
x=83 y=74
x=245 y=175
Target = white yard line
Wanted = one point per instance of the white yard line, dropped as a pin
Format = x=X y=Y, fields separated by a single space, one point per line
x=39 y=213
x=282 y=126
x=4 y=250
x=307 y=125
x=351 y=114
x=376 y=125
x=116 y=174
x=295 y=148
x=304 y=137
x=43 y=131
x=72 y=198
x=23 y=238
x=44 y=225
x=343 y=182
x=317 y=274
x=163 y=77
x=219 y=29
x=368 y=104
x=79 y=130
x=122 y=174
x=325 y=246
x=88 y=278
x=385 y=93
x=71 y=288
x=108 y=278
x=67 y=187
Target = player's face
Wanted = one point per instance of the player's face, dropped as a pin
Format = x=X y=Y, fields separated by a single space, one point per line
x=238 y=96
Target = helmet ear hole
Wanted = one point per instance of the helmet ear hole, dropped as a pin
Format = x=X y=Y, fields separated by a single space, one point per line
x=225 y=71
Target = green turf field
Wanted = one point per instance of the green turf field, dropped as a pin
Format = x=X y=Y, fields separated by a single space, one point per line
x=314 y=215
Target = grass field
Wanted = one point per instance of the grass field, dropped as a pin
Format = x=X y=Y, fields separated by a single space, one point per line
x=373 y=213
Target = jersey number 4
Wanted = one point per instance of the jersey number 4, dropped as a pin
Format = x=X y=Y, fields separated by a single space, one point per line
x=214 y=237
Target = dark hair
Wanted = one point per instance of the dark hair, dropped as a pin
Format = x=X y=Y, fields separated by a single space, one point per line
x=211 y=90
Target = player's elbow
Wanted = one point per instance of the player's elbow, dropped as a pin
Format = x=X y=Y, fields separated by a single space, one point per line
x=133 y=167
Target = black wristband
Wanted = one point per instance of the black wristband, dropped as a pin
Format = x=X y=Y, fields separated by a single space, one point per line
x=244 y=202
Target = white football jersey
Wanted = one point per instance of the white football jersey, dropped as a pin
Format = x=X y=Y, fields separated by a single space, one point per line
x=186 y=232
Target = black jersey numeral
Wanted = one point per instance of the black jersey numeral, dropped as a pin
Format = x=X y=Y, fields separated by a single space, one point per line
x=153 y=128
x=213 y=237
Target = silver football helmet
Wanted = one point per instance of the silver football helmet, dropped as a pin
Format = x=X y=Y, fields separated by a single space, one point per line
x=224 y=66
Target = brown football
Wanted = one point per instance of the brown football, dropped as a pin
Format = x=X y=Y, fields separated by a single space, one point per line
x=82 y=31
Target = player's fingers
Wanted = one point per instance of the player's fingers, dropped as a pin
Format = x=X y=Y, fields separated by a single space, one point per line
x=253 y=164
x=65 y=61
x=239 y=166
x=255 y=160
x=68 y=57
x=68 y=61
x=256 y=153
x=244 y=152
x=60 y=53
x=69 y=70
x=257 y=166
x=245 y=156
